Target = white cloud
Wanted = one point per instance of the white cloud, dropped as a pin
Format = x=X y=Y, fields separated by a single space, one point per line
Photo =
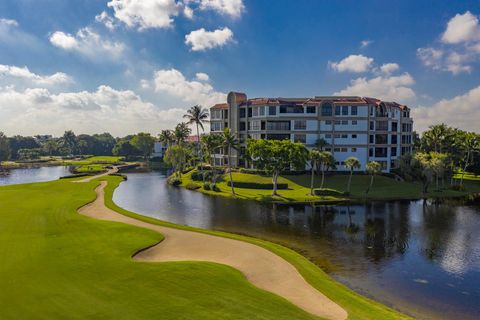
x=145 y=14
x=87 y=43
x=233 y=8
x=462 y=28
x=188 y=12
x=24 y=73
x=36 y=110
x=365 y=43
x=388 y=68
x=451 y=61
x=174 y=83
x=462 y=111
x=8 y=22
x=105 y=18
x=386 y=87
x=201 y=40
x=202 y=76
x=352 y=63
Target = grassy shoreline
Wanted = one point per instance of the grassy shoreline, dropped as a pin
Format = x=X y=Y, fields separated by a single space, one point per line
x=298 y=192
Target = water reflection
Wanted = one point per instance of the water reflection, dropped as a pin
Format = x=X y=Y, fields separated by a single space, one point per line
x=42 y=174
x=419 y=257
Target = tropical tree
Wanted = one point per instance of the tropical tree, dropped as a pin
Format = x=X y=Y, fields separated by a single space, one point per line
x=326 y=162
x=373 y=168
x=181 y=132
x=470 y=145
x=210 y=144
x=424 y=160
x=176 y=157
x=145 y=143
x=50 y=147
x=69 y=142
x=351 y=163
x=314 y=156
x=166 y=137
x=4 y=149
x=275 y=156
x=320 y=144
x=197 y=115
x=437 y=138
x=229 y=142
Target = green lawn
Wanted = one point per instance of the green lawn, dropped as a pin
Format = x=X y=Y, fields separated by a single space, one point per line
x=57 y=264
x=93 y=164
x=384 y=188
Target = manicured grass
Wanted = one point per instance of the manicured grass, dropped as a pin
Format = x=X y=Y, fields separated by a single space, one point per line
x=94 y=160
x=357 y=306
x=57 y=264
x=384 y=188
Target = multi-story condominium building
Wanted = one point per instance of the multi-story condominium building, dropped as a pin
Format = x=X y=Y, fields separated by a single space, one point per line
x=366 y=128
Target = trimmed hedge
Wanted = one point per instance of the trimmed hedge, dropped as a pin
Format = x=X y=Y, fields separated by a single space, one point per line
x=76 y=175
x=327 y=192
x=256 y=185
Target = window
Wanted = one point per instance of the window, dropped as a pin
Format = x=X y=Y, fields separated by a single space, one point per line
x=394 y=139
x=302 y=138
x=337 y=136
x=326 y=110
x=381 y=138
x=261 y=111
x=354 y=149
x=344 y=122
x=382 y=125
x=291 y=109
x=255 y=111
x=338 y=110
x=328 y=136
x=370 y=152
x=311 y=109
x=216 y=126
x=344 y=136
x=372 y=138
x=250 y=112
x=328 y=149
x=300 y=125
x=254 y=125
x=345 y=111
x=338 y=122
x=272 y=110
x=393 y=151
x=278 y=125
x=336 y=150
x=372 y=125
x=380 y=152
x=354 y=110
x=277 y=136
x=394 y=126
x=344 y=150
x=354 y=122
x=328 y=122
x=242 y=126
x=354 y=136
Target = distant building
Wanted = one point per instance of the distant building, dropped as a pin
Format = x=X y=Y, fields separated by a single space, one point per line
x=366 y=128
x=158 y=150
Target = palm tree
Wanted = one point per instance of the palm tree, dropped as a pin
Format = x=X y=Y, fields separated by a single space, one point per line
x=373 y=168
x=320 y=144
x=352 y=163
x=197 y=115
x=229 y=142
x=166 y=137
x=326 y=161
x=315 y=156
x=181 y=132
x=470 y=145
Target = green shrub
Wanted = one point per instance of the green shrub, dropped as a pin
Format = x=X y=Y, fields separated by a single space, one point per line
x=214 y=187
x=77 y=175
x=327 y=192
x=206 y=186
x=192 y=186
x=253 y=171
x=257 y=185
x=124 y=176
x=174 y=181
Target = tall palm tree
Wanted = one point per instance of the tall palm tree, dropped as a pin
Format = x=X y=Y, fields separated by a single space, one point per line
x=373 y=168
x=352 y=163
x=326 y=161
x=181 y=132
x=321 y=143
x=197 y=115
x=166 y=137
x=314 y=156
x=229 y=142
x=210 y=144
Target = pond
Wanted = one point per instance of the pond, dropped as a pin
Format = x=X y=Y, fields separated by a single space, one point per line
x=29 y=175
x=422 y=259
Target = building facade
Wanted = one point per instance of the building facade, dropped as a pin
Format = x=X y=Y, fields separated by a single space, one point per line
x=366 y=128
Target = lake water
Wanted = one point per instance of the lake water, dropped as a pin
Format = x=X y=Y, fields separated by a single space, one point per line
x=42 y=174
x=421 y=259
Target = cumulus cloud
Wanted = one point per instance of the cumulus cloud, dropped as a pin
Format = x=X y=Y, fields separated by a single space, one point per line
x=8 y=22
x=201 y=40
x=106 y=19
x=37 y=110
x=459 y=48
x=462 y=111
x=88 y=43
x=173 y=82
x=353 y=63
x=24 y=73
x=387 y=87
x=145 y=14
x=388 y=68
x=202 y=76
x=462 y=28
x=233 y=8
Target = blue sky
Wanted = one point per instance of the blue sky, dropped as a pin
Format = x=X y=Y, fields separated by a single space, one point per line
x=127 y=65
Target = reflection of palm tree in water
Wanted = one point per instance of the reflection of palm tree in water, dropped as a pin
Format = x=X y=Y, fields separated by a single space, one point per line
x=351 y=227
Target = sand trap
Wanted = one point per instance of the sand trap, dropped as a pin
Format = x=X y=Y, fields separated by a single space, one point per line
x=261 y=267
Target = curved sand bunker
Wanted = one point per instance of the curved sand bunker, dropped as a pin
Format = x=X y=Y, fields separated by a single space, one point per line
x=261 y=267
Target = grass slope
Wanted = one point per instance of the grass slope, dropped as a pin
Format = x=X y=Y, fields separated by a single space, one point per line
x=57 y=264
x=357 y=306
x=384 y=188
